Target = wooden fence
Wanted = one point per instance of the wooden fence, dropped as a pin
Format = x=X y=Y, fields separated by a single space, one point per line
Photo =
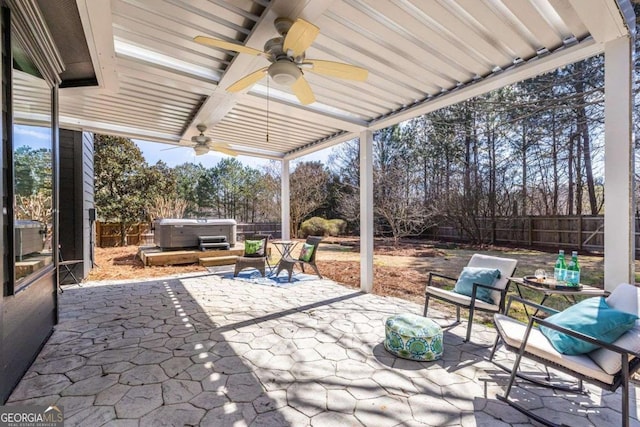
x=108 y=233
x=567 y=232
x=571 y=232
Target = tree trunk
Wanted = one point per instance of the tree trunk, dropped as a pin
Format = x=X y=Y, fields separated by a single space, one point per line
x=524 y=207
x=123 y=233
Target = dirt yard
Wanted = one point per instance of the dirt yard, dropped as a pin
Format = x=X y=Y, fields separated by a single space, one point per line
x=399 y=271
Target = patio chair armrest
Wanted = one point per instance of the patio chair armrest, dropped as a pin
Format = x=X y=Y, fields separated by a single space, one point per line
x=583 y=337
x=441 y=276
x=525 y=302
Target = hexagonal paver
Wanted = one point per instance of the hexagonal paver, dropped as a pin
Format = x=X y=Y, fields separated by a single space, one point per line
x=310 y=398
x=112 y=395
x=383 y=411
x=209 y=400
x=145 y=374
x=151 y=357
x=243 y=388
x=313 y=370
x=59 y=366
x=93 y=385
x=178 y=391
x=139 y=400
x=353 y=370
x=180 y=414
x=231 y=414
x=176 y=365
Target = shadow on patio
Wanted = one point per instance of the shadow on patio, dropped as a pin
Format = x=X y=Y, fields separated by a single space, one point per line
x=200 y=350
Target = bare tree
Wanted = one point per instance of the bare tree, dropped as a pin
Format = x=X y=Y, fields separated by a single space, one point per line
x=308 y=191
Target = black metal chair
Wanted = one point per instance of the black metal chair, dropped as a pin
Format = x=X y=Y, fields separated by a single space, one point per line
x=507 y=268
x=288 y=263
x=65 y=270
x=608 y=367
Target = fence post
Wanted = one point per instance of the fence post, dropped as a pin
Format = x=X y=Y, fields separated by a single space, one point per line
x=99 y=234
x=530 y=230
x=580 y=232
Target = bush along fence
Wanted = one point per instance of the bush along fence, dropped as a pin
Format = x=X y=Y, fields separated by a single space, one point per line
x=108 y=233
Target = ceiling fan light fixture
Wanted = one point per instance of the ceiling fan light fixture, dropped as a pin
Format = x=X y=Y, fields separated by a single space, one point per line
x=201 y=149
x=284 y=72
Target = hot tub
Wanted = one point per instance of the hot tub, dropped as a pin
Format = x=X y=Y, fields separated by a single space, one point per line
x=183 y=233
x=29 y=236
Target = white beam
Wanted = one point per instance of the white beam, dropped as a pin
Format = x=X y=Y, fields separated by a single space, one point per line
x=366 y=211
x=96 y=18
x=603 y=19
x=284 y=201
x=619 y=224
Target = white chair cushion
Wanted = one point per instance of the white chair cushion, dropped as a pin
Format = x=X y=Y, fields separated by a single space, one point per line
x=461 y=299
x=505 y=265
x=512 y=332
x=625 y=297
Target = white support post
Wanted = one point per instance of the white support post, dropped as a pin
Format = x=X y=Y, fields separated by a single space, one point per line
x=619 y=205
x=366 y=211
x=285 y=217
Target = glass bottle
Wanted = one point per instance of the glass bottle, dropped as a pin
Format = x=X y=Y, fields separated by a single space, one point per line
x=560 y=269
x=573 y=270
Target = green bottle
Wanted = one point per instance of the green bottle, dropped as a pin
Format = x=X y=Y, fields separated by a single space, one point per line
x=560 y=269
x=573 y=270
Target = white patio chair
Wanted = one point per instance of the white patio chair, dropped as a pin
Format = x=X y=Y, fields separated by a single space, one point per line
x=498 y=289
x=608 y=367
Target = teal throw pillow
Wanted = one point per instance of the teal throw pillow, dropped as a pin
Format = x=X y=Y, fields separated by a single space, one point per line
x=592 y=317
x=471 y=275
x=253 y=248
x=306 y=252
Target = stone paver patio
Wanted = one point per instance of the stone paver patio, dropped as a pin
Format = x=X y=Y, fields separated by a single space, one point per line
x=201 y=350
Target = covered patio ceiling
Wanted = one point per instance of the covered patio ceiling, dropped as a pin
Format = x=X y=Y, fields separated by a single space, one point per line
x=156 y=83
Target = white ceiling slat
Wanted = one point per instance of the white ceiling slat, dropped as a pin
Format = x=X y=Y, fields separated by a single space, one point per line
x=459 y=31
x=137 y=112
x=149 y=102
x=160 y=76
x=168 y=15
x=120 y=118
x=308 y=115
x=171 y=49
x=158 y=93
x=572 y=21
x=396 y=45
x=547 y=36
x=340 y=34
x=430 y=40
x=499 y=29
x=277 y=124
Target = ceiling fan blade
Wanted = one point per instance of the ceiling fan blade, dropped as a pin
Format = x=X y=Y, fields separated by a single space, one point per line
x=173 y=148
x=300 y=36
x=337 y=69
x=302 y=91
x=227 y=45
x=248 y=80
x=223 y=148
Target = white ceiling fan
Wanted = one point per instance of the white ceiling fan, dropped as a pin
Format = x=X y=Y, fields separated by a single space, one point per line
x=203 y=144
x=287 y=57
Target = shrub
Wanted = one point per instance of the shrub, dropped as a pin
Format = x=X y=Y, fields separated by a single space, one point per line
x=337 y=227
x=317 y=226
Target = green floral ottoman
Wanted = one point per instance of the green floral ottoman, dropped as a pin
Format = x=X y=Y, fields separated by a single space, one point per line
x=413 y=337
